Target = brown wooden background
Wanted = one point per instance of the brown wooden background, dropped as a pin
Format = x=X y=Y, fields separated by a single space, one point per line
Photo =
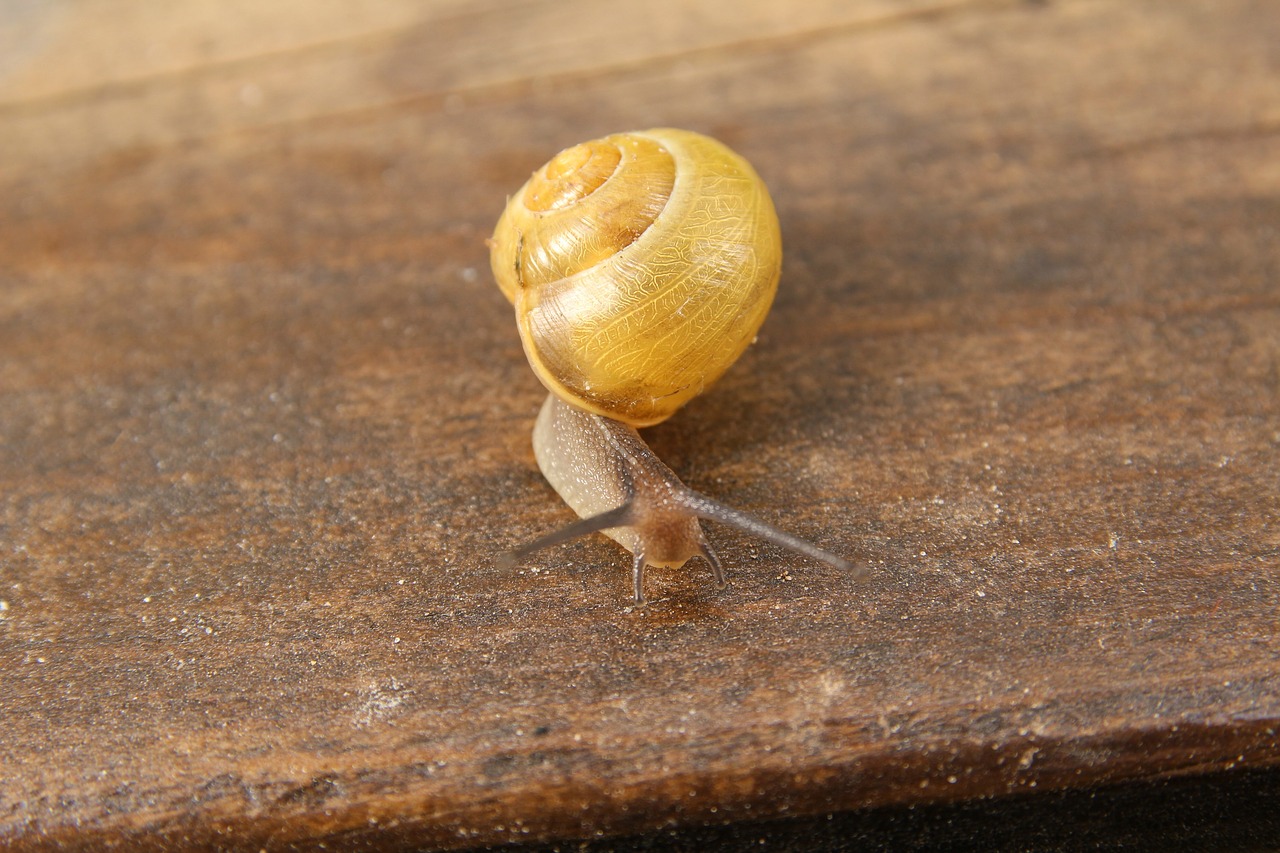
x=264 y=419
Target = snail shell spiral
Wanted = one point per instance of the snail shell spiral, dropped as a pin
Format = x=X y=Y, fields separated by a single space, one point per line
x=641 y=265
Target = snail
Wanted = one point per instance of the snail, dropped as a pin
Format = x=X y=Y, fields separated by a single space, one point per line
x=640 y=265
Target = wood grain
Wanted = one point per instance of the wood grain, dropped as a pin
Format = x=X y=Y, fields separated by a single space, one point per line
x=264 y=421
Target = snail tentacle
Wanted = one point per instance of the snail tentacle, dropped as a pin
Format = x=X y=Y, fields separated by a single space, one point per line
x=637 y=576
x=713 y=510
x=717 y=570
x=619 y=517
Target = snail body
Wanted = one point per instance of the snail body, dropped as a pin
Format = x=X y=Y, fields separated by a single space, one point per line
x=641 y=266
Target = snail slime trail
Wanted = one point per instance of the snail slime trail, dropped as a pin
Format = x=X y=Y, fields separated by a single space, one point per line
x=609 y=255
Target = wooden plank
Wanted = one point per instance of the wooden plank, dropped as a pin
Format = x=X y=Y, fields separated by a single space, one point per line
x=265 y=424
x=261 y=71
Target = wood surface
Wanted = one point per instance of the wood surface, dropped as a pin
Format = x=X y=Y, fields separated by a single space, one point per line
x=264 y=420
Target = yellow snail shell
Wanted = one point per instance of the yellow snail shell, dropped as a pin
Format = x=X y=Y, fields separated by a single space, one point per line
x=641 y=265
